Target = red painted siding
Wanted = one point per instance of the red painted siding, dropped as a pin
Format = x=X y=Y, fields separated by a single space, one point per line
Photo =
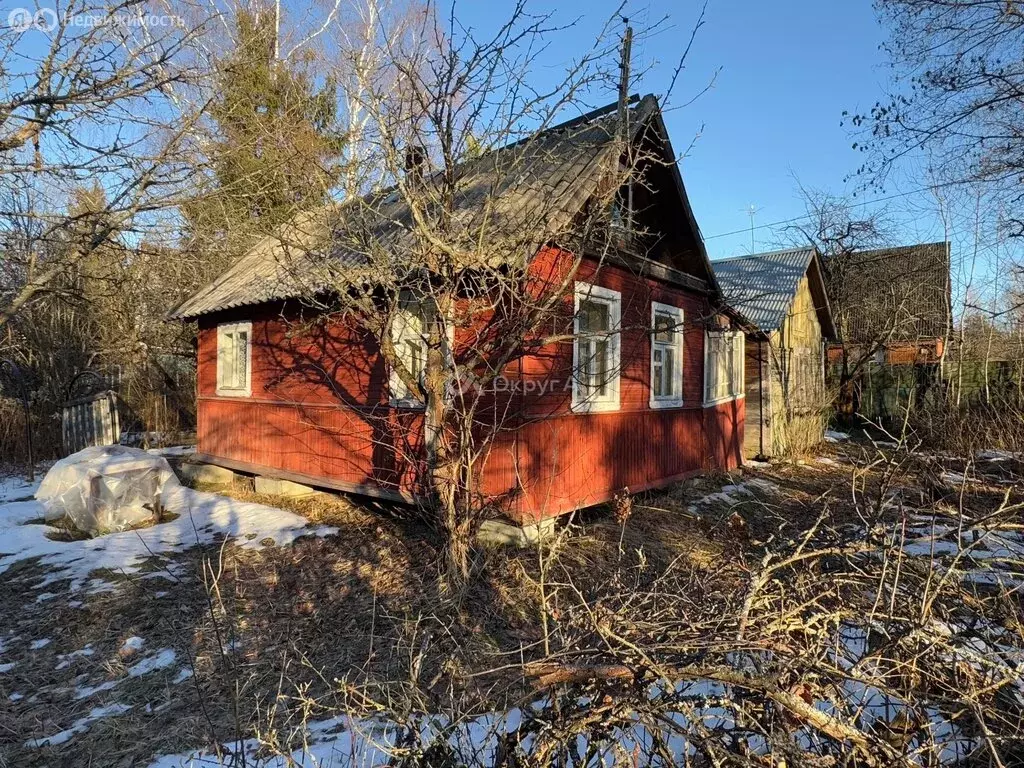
x=319 y=407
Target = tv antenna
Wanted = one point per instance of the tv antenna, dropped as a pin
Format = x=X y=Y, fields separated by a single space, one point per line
x=751 y=211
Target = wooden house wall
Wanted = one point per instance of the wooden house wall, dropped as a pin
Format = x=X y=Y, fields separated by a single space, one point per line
x=757 y=435
x=798 y=384
x=319 y=410
x=793 y=394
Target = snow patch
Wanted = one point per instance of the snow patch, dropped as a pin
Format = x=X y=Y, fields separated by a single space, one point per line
x=64 y=660
x=84 y=692
x=735 y=494
x=173 y=450
x=203 y=517
x=831 y=436
x=132 y=645
x=164 y=658
x=993 y=454
x=80 y=726
x=14 y=488
x=42 y=642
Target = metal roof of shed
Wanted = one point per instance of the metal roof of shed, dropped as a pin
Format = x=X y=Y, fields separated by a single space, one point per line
x=762 y=286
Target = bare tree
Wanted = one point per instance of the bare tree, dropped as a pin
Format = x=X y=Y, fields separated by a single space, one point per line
x=841 y=238
x=958 y=83
x=460 y=260
x=90 y=91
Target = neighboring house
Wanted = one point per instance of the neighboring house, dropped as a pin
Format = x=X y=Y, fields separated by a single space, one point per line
x=782 y=296
x=893 y=312
x=277 y=399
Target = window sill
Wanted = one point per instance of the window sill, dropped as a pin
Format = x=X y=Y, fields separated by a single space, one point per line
x=234 y=392
x=729 y=399
x=595 y=406
x=659 y=405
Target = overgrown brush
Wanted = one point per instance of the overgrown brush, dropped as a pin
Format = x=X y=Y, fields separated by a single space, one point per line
x=981 y=422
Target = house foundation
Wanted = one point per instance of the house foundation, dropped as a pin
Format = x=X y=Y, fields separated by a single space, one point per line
x=206 y=474
x=498 y=533
x=273 y=486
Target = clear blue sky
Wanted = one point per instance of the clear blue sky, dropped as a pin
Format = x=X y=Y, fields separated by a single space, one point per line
x=787 y=71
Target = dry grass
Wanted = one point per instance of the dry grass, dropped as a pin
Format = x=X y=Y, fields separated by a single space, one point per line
x=362 y=611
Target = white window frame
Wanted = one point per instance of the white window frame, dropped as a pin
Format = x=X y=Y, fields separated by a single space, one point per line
x=737 y=364
x=223 y=329
x=585 y=402
x=407 y=325
x=676 y=375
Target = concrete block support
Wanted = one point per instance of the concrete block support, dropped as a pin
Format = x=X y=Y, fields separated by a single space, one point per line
x=500 y=533
x=207 y=474
x=274 y=487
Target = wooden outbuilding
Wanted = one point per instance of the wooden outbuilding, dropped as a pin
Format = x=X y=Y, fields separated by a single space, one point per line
x=894 y=314
x=782 y=297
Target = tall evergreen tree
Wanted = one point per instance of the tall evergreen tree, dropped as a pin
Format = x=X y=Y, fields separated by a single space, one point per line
x=276 y=147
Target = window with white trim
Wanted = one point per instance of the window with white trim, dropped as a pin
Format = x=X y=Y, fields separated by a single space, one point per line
x=411 y=347
x=724 y=353
x=666 y=356
x=596 y=349
x=234 y=359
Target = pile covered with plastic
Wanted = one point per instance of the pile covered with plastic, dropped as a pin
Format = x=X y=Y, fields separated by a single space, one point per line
x=106 y=488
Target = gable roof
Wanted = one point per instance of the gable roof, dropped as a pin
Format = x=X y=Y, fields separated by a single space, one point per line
x=762 y=286
x=541 y=183
x=900 y=293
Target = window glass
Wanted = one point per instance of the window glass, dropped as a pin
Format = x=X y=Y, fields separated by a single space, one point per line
x=233 y=358
x=596 y=349
x=666 y=356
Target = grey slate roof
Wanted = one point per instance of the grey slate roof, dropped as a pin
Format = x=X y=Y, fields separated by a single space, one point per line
x=760 y=287
x=525 y=190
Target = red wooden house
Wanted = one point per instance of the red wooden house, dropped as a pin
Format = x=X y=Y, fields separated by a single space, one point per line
x=315 y=403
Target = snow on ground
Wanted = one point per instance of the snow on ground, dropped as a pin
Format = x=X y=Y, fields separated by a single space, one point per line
x=202 y=518
x=734 y=494
x=831 y=436
x=64 y=659
x=344 y=741
x=996 y=455
x=80 y=725
x=132 y=645
x=14 y=487
x=174 y=450
x=163 y=658
x=983 y=556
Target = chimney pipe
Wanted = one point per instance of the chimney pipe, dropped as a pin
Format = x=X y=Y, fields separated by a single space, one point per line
x=415 y=162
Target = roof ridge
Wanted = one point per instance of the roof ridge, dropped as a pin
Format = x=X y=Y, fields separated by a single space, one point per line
x=937 y=243
x=765 y=253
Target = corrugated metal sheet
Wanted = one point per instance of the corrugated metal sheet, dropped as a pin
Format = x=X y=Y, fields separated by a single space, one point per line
x=526 y=190
x=760 y=287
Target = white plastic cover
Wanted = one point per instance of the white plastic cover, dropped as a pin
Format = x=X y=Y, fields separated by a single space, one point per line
x=106 y=488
